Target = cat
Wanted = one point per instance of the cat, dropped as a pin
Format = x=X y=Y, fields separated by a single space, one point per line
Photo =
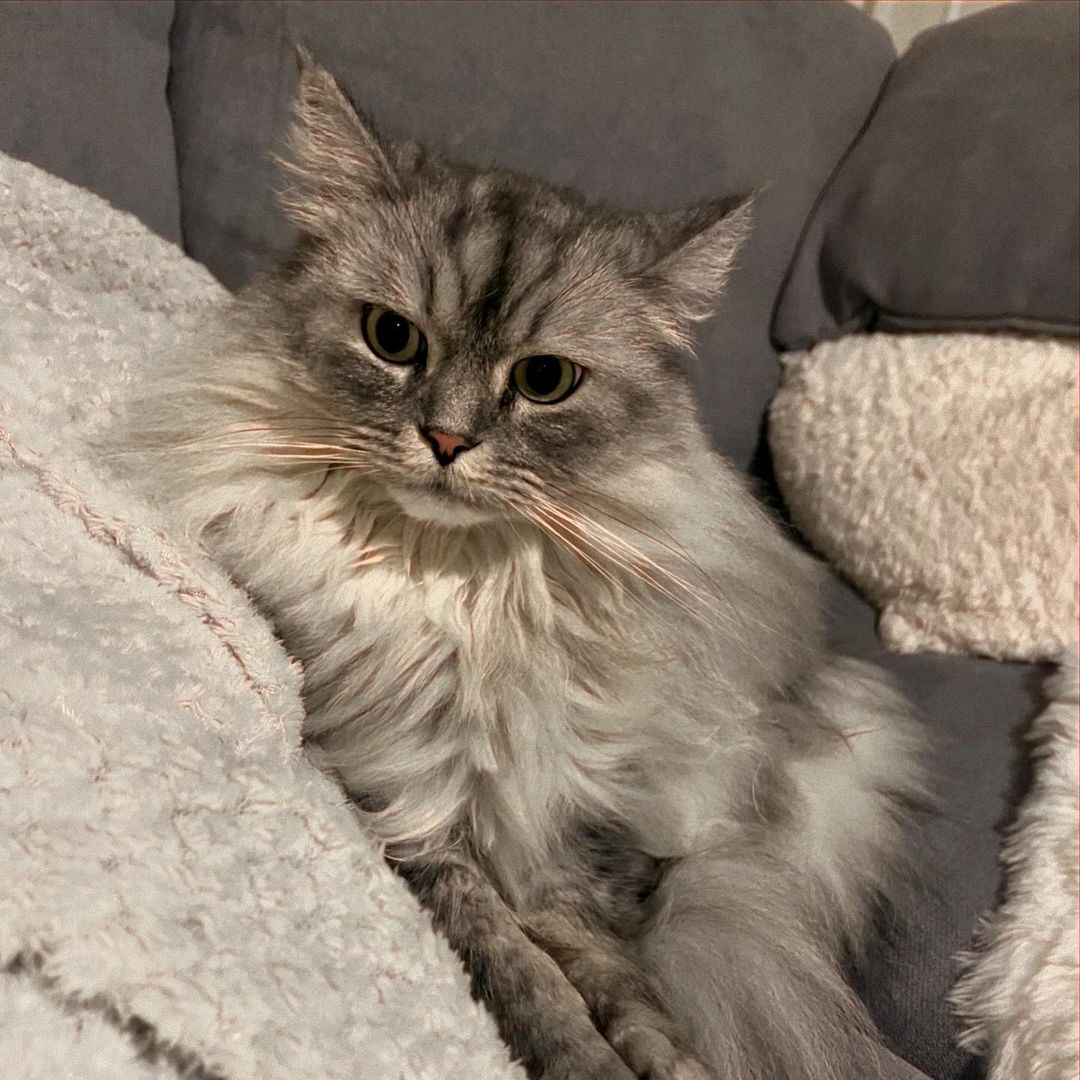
x=573 y=675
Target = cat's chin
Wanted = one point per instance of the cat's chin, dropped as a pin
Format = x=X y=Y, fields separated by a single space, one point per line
x=444 y=510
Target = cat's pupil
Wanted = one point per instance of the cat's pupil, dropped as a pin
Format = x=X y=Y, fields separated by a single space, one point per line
x=392 y=332
x=543 y=374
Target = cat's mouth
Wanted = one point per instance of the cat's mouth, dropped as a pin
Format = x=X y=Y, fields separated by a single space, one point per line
x=438 y=506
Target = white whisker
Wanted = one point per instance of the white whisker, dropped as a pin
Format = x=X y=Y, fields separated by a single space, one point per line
x=635 y=569
x=560 y=538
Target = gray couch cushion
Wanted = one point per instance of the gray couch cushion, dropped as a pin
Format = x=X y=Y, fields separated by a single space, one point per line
x=957 y=207
x=82 y=95
x=645 y=105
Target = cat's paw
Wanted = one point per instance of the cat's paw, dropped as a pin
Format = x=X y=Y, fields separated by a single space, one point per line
x=596 y=1061
x=652 y=1055
x=615 y=1069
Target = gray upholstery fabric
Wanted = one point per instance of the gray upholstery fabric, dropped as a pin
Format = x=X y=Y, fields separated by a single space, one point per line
x=82 y=95
x=644 y=105
x=957 y=207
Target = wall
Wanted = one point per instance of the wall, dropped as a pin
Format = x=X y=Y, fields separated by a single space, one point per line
x=906 y=18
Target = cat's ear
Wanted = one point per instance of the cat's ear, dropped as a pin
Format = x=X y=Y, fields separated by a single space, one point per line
x=697 y=250
x=335 y=157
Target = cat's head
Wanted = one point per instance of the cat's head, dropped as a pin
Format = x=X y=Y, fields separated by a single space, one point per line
x=488 y=339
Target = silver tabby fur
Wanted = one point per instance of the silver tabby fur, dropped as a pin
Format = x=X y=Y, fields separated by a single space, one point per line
x=576 y=680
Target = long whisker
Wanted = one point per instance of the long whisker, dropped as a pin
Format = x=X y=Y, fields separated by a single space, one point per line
x=315 y=426
x=551 y=529
x=285 y=454
x=671 y=544
x=636 y=570
x=332 y=447
x=299 y=444
x=634 y=552
x=228 y=442
x=281 y=425
x=620 y=547
x=567 y=526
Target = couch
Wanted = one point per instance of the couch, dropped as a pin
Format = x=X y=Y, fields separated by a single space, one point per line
x=172 y=112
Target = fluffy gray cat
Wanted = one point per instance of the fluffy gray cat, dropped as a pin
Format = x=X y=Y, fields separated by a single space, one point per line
x=573 y=676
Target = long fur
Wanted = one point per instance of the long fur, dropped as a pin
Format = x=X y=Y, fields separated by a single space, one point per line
x=607 y=629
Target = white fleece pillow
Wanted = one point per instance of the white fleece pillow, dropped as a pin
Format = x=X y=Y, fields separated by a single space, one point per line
x=939 y=473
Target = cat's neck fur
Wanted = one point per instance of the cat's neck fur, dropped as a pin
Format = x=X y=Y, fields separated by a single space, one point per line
x=473 y=676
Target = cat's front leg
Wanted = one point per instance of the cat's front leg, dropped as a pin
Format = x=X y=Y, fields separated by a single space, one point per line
x=624 y=1006
x=540 y=1013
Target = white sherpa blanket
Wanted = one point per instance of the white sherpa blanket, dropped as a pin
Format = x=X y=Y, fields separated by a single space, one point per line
x=939 y=472
x=181 y=892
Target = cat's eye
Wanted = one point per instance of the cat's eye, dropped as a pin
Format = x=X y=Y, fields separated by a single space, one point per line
x=546 y=379
x=391 y=336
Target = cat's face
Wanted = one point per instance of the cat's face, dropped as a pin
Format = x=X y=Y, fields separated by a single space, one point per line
x=489 y=339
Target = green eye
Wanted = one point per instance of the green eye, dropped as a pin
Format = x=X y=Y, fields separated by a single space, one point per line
x=391 y=336
x=546 y=379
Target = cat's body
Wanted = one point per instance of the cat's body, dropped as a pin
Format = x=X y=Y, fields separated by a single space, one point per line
x=582 y=696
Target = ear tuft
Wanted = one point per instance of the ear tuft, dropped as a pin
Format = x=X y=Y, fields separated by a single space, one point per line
x=334 y=155
x=698 y=253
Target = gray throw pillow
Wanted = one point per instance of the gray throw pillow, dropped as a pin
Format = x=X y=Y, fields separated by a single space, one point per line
x=82 y=95
x=645 y=105
x=957 y=207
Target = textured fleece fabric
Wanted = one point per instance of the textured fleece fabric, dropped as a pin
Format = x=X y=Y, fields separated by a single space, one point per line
x=181 y=892
x=939 y=473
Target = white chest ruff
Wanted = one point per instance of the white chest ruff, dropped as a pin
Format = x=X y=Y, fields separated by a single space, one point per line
x=458 y=689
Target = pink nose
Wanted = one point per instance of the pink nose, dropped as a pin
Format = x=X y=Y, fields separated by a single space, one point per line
x=445 y=446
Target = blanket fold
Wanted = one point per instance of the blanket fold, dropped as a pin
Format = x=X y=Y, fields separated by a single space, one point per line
x=181 y=892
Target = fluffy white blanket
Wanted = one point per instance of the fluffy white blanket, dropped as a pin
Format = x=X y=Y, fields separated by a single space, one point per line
x=181 y=892
x=939 y=473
